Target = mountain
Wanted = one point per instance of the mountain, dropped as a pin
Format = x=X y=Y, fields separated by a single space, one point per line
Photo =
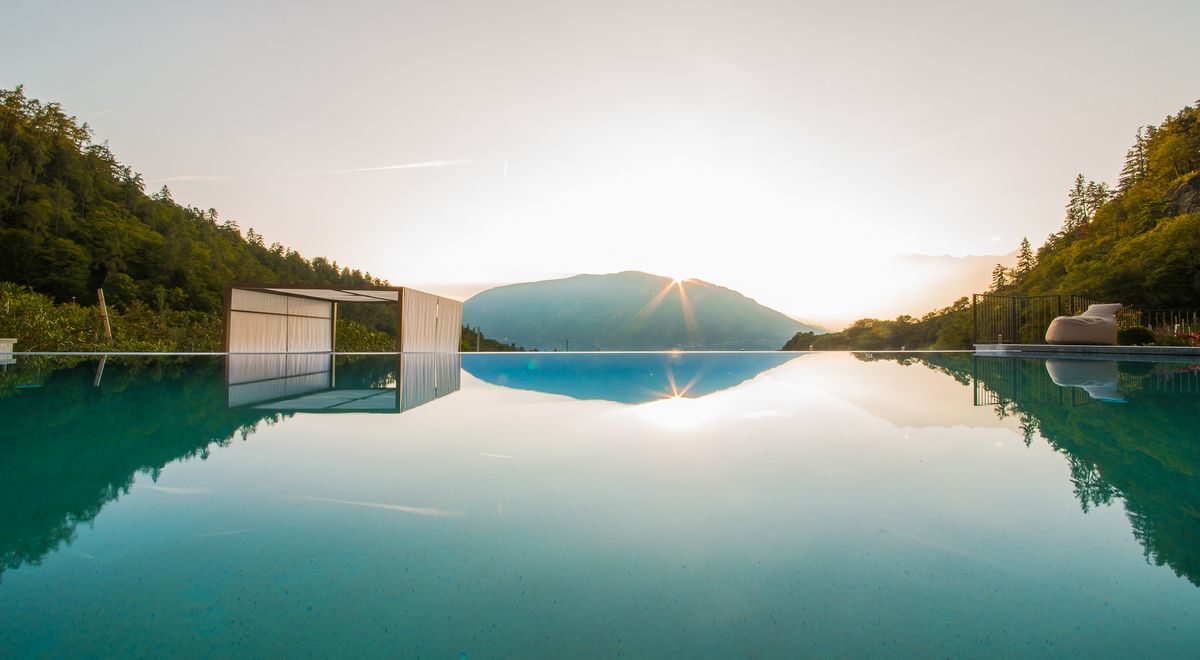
x=630 y=310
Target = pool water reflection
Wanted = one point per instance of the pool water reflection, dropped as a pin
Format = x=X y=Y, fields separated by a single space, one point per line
x=566 y=505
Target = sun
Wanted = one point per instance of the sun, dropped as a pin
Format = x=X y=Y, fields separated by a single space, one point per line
x=676 y=284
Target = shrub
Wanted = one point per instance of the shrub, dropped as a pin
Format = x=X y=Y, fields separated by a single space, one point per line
x=1177 y=340
x=39 y=325
x=1135 y=336
x=354 y=337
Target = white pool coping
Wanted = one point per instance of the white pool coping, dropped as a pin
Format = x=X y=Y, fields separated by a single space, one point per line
x=1091 y=352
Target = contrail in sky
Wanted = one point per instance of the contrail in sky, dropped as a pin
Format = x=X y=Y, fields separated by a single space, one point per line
x=402 y=166
x=186 y=177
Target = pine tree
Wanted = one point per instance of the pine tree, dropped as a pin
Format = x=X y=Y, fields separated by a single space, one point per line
x=999 y=277
x=1136 y=160
x=1076 y=206
x=1097 y=195
x=1025 y=260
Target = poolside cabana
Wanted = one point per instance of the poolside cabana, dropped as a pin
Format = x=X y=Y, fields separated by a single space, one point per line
x=303 y=319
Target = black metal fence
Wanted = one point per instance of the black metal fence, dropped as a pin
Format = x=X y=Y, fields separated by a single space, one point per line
x=1128 y=317
x=1005 y=319
x=1171 y=322
x=1001 y=319
x=1077 y=304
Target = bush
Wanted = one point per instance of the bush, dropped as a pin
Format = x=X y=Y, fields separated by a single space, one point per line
x=40 y=325
x=1177 y=340
x=354 y=337
x=1135 y=336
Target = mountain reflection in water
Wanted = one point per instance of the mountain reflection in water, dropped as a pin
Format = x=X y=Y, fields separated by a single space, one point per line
x=622 y=377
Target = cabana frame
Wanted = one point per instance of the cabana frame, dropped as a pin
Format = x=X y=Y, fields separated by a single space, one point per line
x=282 y=318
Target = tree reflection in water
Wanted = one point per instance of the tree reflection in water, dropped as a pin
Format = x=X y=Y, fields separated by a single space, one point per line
x=1141 y=446
x=71 y=443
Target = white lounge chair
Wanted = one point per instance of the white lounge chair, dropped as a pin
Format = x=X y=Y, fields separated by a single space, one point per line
x=1097 y=325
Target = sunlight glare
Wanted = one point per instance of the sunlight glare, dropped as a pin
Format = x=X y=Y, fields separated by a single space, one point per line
x=679 y=412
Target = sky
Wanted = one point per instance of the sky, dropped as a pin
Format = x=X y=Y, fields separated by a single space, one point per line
x=805 y=154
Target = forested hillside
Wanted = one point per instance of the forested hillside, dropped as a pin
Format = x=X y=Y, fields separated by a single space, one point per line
x=1137 y=243
x=73 y=219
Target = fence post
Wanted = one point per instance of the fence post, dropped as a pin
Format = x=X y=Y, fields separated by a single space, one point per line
x=974 y=320
x=1010 y=307
x=104 y=315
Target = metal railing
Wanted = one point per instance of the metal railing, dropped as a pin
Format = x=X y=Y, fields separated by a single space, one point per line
x=1077 y=304
x=1007 y=319
x=1002 y=319
x=1128 y=317
x=1171 y=322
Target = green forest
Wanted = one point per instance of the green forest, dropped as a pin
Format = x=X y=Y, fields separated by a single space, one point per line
x=73 y=219
x=1137 y=243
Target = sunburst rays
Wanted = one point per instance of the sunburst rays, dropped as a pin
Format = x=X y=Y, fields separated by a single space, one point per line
x=689 y=315
x=677 y=392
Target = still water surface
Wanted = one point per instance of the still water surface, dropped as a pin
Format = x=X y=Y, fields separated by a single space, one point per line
x=598 y=505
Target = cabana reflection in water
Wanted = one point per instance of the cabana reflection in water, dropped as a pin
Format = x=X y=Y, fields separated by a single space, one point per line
x=307 y=382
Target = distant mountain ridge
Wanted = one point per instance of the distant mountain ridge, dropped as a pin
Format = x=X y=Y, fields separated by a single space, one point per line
x=630 y=310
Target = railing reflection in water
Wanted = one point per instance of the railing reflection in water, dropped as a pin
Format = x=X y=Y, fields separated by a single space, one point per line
x=999 y=381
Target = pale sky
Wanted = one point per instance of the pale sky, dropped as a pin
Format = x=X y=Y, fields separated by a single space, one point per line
x=792 y=151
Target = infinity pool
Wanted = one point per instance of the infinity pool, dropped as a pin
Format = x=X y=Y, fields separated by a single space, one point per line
x=573 y=505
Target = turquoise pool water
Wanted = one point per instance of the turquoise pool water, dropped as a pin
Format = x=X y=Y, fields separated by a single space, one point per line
x=657 y=505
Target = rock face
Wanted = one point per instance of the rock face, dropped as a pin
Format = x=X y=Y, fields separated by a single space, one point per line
x=628 y=311
x=1185 y=198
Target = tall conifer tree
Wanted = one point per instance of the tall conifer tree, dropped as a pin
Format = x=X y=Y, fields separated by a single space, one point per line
x=1025 y=260
x=1076 y=206
x=999 y=277
x=1135 y=161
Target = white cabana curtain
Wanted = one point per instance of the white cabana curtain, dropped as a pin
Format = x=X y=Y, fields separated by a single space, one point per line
x=430 y=324
x=275 y=323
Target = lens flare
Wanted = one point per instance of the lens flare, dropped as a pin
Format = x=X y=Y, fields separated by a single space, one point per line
x=689 y=316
